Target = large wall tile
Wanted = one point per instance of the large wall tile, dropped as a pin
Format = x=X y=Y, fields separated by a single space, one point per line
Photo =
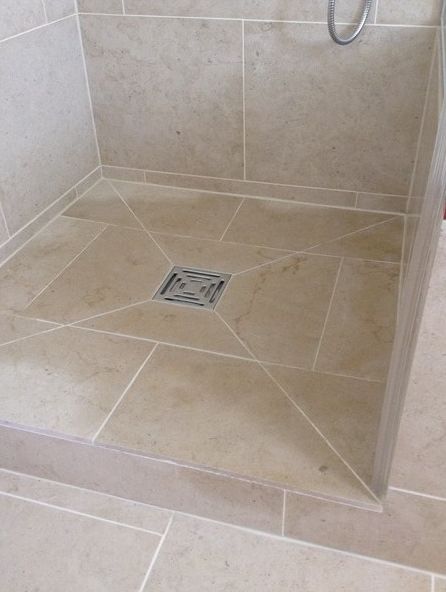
x=409 y=12
x=167 y=93
x=48 y=140
x=107 y=6
x=329 y=116
x=57 y=9
x=19 y=15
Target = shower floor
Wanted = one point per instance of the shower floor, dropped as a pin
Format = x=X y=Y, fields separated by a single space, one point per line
x=281 y=383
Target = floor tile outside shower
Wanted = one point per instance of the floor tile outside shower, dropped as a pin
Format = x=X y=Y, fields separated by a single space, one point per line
x=282 y=383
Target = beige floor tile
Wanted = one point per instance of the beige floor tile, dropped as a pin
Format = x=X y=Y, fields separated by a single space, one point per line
x=174 y=324
x=68 y=380
x=120 y=268
x=279 y=310
x=440 y=585
x=103 y=204
x=85 y=501
x=52 y=550
x=227 y=414
x=34 y=266
x=179 y=211
x=358 y=337
x=13 y=327
x=209 y=556
x=346 y=410
x=411 y=530
x=420 y=457
x=215 y=255
x=382 y=242
x=295 y=226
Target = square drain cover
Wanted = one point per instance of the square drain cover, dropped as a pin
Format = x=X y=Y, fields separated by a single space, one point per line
x=196 y=287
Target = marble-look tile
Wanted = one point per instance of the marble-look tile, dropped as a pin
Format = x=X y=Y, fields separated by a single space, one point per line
x=385 y=203
x=121 y=267
x=210 y=556
x=179 y=211
x=105 y=6
x=346 y=410
x=143 y=479
x=57 y=9
x=410 y=12
x=308 y=133
x=279 y=310
x=253 y=188
x=103 y=204
x=411 y=529
x=211 y=254
x=420 y=457
x=181 y=83
x=294 y=226
x=227 y=414
x=39 y=261
x=302 y=10
x=67 y=380
x=85 y=501
x=17 y=16
x=381 y=242
x=13 y=327
x=174 y=324
x=359 y=333
x=52 y=550
x=57 y=120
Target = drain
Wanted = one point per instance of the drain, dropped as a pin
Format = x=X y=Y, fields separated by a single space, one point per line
x=196 y=287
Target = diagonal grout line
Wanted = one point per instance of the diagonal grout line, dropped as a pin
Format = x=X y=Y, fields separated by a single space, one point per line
x=244 y=99
x=43 y=2
x=155 y=555
x=338 y=275
x=352 y=233
x=118 y=402
x=146 y=230
x=232 y=219
x=260 y=265
x=101 y=231
x=418 y=494
x=107 y=312
x=25 y=337
x=5 y=222
x=283 y=513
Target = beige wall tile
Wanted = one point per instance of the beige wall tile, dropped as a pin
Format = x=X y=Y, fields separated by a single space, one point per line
x=38 y=263
x=17 y=16
x=57 y=9
x=358 y=337
x=65 y=552
x=67 y=380
x=410 y=531
x=106 y=6
x=212 y=557
x=325 y=128
x=242 y=423
x=410 y=12
x=181 y=84
x=386 y=203
x=123 y=174
x=121 y=267
x=85 y=501
x=57 y=120
x=143 y=479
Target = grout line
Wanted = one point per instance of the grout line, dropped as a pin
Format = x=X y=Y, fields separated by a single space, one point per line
x=356 y=200
x=44 y=10
x=284 y=512
x=117 y=193
x=32 y=334
x=338 y=275
x=49 y=23
x=401 y=274
x=76 y=512
x=60 y=272
x=232 y=219
x=3 y=217
x=433 y=585
x=130 y=384
x=375 y=20
x=123 y=7
x=244 y=99
x=88 y=88
x=113 y=225
x=146 y=230
x=107 y=312
x=155 y=555
x=418 y=494
x=260 y=265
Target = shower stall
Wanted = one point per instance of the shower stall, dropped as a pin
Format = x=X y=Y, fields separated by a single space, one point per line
x=217 y=227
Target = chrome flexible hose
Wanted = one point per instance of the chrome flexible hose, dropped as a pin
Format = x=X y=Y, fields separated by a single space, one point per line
x=332 y=22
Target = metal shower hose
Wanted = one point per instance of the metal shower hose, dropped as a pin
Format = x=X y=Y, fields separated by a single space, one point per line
x=332 y=23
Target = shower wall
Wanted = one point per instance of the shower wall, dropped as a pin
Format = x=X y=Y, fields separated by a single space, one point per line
x=47 y=135
x=198 y=97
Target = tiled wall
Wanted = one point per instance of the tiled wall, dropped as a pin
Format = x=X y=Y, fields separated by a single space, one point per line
x=48 y=143
x=214 y=89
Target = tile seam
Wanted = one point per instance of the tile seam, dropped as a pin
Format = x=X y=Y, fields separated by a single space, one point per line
x=155 y=555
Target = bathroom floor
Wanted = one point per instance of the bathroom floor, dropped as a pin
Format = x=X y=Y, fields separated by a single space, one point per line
x=281 y=383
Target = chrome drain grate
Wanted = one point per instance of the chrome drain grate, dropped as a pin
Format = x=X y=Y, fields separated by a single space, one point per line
x=197 y=287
